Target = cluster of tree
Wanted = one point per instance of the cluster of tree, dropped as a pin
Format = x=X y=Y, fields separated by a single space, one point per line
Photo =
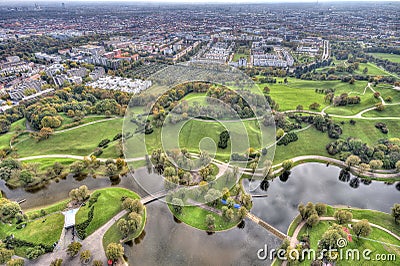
x=304 y=69
x=311 y=213
x=288 y=138
x=10 y=210
x=344 y=99
x=382 y=127
x=386 y=153
x=80 y=194
x=223 y=139
x=133 y=222
x=325 y=124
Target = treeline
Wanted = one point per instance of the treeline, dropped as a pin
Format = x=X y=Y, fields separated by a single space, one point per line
x=386 y=153
x=77 y=101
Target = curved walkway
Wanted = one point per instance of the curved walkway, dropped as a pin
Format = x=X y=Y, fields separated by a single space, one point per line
x=93 y=242
x=294 y=241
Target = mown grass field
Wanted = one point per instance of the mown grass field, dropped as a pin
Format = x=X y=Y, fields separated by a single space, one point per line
x=81 y=141
x=202 y=134
x=390 y=111
x=302 y=92
x=107 y=206
x=373 y=70
x=383 y=219
x=395 y=58
x=45 y=163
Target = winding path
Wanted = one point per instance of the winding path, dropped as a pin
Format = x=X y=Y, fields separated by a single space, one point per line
x=93 y=242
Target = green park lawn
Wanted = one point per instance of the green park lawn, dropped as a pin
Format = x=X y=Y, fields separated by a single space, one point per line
x=302 y=92
x=45 y=163
x=366 y=131
x=107 y=206
x=395 y=58
x=196 y=217
x=193 y=131
x=81 y=141
x=45 y=230
x=390 y=111
x=113 y=234
x=383 y=219
x=310 y=142
x=373 y=70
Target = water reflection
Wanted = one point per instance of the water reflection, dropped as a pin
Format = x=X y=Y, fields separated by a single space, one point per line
x=317 y=183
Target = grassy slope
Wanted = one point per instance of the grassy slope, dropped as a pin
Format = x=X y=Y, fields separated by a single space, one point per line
x=81 y=141
x=106 y=207
x=379 y=218
x=391 y=57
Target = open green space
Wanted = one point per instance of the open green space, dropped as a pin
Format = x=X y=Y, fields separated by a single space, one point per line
x=81 y=141
x=302 y=92
x=113 y=234
x=395 y=58
x=196 y=217
x=45 y=163
x=45 y=231
x=390 y=111
x=373 y=70
x=107 y=206
x=303 y=145
x=383 y=219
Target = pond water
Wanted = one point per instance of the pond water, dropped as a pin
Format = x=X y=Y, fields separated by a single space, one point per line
x=317 y=182
x=167 y=242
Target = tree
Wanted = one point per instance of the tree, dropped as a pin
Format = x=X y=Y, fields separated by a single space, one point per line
x=287 y=165
x=44 y=133
x=365 y=71
x=398 y=166
x=123 y=227
x=134 y=221
x=57 y=168
x=5 y=254
x=114 y=251
x=330 y=238
x=97 y=263
x=362 y=228
x=343 y=216
x=312 y=220
x=375 y=164
x=15 y=262
x=302 y=210
x=314 y=106
x=320 y=208
x=396 y=212
x=85 y=256
x=223 y=139
x=210 y=222
x=8 y=210
x=74 y=248
x=380 y=107
x=353 y=160
x=77 y=167
x=80 y=194
x=177 y=205
x=133 y=205
x=56 y=262
x=26 y=176
x=111 y=169
x=364 y=167
x=34 y=252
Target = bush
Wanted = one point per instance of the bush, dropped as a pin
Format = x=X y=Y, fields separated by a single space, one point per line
x=81 y=228
x=223 y=139
x=103 y=143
